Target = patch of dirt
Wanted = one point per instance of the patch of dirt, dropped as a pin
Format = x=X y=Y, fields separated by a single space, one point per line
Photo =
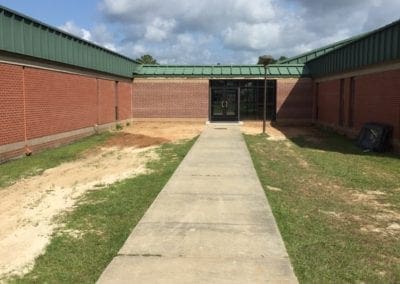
x=332 y=214
x=271 y=188
x=279 y=133
x=28 y=207
x=171 y=131
x=376 y=215
x=382 y=218
x=124 y=139
x=300 y=160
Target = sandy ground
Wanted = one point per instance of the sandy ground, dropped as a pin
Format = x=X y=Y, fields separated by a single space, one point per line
x=277 y=133
x=28 y=207
x=172 y=131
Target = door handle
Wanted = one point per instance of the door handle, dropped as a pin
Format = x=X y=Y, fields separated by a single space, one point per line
x=222 y=104
x=226 y=104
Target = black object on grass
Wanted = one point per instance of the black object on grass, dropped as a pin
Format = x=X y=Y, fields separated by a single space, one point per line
x=375 y=137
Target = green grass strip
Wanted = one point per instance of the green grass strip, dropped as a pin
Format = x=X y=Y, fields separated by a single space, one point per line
x=320 y=220
x=102 y=221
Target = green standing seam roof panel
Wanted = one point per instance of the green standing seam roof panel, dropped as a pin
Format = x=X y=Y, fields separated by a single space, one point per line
x=23 y=35
x=206 y=70
x=310 y=55
x=197 y=71
x=235 y=70
x=188 y=71
x=376 y=47
x=245 y=71
x=222 y=71
x=226 y=71
x=216 y=71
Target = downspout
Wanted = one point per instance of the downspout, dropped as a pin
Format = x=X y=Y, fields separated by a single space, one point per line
x=265 y=99
x=28 y=151
x=96 y=125
x=133 y=78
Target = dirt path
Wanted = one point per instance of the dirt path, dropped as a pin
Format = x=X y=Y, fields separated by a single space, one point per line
x=28 y=207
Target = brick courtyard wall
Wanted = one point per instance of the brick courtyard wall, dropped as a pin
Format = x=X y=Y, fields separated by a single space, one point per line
x=124 y=100
x=11 y=104
x=58 y=102
x=328 y=102
x=106 y=101
x=376 y=99
x=41 y=108
x=294 y=100
x=170 y=98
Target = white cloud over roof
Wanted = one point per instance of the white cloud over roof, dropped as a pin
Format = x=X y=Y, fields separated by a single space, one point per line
x=231 y=31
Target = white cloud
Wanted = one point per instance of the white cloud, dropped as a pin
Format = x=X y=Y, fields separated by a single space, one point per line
x=99 y=34
x=230 y=31
x=138 y=49
x=255 y=37
x=72 y=28
x=159 y=29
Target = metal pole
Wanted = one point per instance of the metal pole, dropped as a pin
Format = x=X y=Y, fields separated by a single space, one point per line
x=238 y=98
x=265 y=99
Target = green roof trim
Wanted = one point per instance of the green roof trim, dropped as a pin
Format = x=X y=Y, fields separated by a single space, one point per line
x=376 y=47
x=26 y=36
x=315 y=53
x=222 y=71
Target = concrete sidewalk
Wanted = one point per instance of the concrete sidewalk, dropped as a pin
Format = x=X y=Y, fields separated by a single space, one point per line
x=210 y=224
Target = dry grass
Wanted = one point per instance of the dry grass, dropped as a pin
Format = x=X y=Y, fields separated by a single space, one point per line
x=338 y=208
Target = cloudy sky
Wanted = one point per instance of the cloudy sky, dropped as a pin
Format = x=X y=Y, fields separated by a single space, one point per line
x=211 y=31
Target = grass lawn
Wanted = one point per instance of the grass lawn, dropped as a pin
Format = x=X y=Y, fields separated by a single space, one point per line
x=101 y=222
x=38 y=163
x=338 y=209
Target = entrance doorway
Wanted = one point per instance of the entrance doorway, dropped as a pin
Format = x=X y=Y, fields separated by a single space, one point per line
x=234 y=100
x=224 y=104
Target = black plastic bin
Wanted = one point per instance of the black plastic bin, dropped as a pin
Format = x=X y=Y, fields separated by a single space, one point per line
x=375 y=137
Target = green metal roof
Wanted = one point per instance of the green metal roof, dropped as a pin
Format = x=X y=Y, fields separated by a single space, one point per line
x=23 y=35
x=310 y=55
x=200 y=71
x=376 y=47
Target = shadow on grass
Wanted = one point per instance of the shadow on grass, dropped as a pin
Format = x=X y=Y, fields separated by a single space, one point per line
x=326 y=140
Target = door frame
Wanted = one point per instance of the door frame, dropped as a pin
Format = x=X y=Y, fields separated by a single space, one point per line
x=225 y=117
x=240 y=84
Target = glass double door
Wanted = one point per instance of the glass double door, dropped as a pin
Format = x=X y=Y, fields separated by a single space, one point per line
x=224 y=104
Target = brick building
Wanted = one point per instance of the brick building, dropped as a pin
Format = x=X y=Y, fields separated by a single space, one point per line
x=55 y=87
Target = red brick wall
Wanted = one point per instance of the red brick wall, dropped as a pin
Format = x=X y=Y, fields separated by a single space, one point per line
x=328 y=102
x=11 y=104
x=294 y=99
x=107 y=101
x=346 y=98
x=377 y=99
x=55 y=102
x=175 y=98
x=58 y=102
x=124 y=100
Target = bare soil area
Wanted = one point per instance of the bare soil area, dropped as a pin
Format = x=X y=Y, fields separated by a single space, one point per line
x=28 y=207
x=171 y=131
x=278 y=133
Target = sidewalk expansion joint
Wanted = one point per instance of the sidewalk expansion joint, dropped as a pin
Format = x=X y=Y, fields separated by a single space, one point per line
x=199 y=223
